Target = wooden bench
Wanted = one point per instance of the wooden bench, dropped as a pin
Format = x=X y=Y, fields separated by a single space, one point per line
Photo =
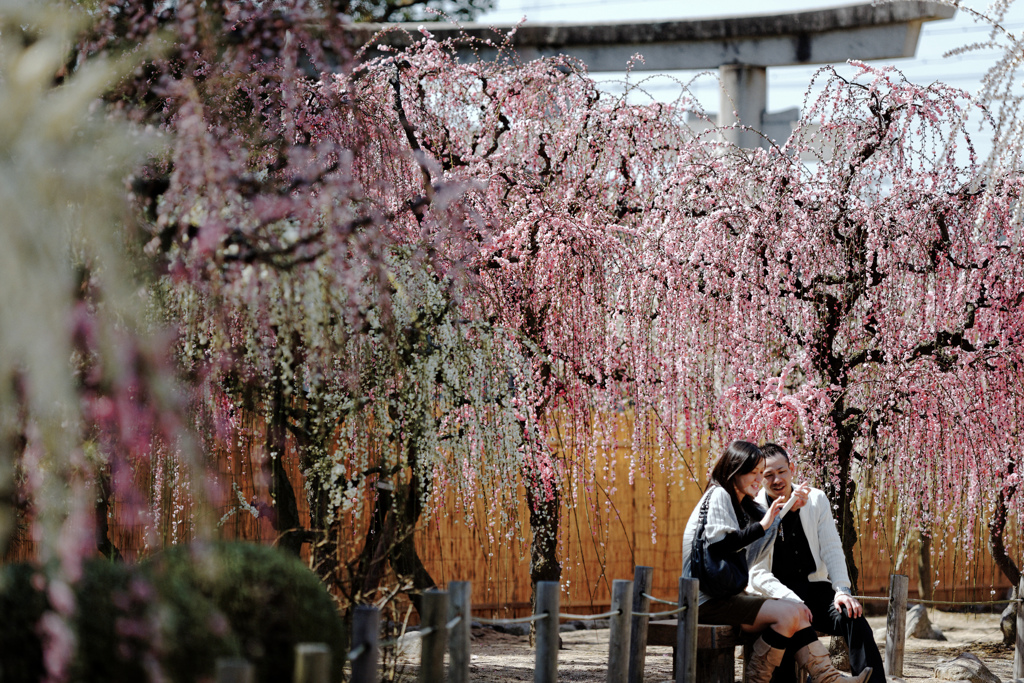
x=716 y=646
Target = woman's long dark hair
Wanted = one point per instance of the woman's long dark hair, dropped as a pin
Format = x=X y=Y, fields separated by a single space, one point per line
x=741 y=457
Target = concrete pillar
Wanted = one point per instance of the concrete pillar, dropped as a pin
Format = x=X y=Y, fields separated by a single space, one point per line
x=744 y=99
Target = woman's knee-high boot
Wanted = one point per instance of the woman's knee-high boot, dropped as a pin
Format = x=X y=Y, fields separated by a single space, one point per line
x=762 y=663
x=814 y=659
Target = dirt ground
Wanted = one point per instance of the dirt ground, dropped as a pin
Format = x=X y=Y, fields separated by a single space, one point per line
x=502 y=658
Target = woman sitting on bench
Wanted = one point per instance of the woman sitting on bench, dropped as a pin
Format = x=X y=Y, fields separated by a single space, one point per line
x=734 y=523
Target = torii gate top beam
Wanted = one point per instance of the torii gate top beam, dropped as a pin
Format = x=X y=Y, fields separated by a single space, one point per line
x=821 y=36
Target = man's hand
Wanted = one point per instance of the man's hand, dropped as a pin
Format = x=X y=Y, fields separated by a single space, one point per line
x=800 y=494
x=853 y=608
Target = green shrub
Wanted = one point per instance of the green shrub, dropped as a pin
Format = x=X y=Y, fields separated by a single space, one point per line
x=114 y=625
x=266 y=599
x=21 y=607
x=178 y=613
x=117 y=624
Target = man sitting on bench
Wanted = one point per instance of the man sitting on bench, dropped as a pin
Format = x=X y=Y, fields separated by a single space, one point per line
x=807 y=564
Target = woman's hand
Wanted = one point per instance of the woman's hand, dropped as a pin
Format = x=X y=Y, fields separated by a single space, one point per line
x=772 y=513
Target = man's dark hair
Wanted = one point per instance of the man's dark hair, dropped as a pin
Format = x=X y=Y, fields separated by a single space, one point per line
x=770 y=450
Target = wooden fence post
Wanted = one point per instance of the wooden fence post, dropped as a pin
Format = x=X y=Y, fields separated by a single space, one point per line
x=435 y=636
x=365 y=634
x=234 y=670
x=618 y=634
x=459 y=605
x=896 y=625
x=642 y=584
x=546 y=668
x=686 y=634
x=1018 y=650
x=312 y=663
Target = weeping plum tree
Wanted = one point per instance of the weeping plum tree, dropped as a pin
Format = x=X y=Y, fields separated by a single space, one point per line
x=568 y=178
x=311 y=263
x=420 y=269
x=336 y=264
x=86 y=392
x=999 y=91
x=865 y=306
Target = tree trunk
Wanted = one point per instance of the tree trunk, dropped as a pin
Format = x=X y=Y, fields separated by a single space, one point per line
x=323 y=530
x=996 y=545
x=1009 y=568
x=324 y=535
x=544 y=565
x=842 y=497
x=286 y=510
x=924 y=565
x=848 y=532
x=379 y=539
x=405 y=559
x=391 y=538
x=13 y=504
x=104 y=545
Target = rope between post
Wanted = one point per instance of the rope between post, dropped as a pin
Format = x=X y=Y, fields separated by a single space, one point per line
x=591 y=617
x=356 y=652
x=977 y=603
x=408 y=634
x=518 y=620
x=664 y=602
x=655 y=615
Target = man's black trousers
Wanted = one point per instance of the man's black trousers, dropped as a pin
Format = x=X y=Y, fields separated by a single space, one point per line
x=818 y=596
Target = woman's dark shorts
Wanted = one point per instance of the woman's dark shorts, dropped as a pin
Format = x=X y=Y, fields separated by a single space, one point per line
x=736 y=610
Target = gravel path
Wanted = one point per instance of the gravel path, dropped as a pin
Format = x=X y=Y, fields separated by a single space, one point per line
x=502 y=658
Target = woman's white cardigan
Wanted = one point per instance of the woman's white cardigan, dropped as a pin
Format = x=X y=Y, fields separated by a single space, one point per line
x=826 y=548
x=721 y=520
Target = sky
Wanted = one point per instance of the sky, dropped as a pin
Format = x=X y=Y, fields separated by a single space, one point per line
x=786 y=85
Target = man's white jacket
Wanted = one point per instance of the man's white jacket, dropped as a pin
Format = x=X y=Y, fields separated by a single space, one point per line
x=826 y=548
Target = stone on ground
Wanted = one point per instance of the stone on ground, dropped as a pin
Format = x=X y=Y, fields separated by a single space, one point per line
x=919 y=626
x=840 y=653
x=1008 y=624
x=966 y=667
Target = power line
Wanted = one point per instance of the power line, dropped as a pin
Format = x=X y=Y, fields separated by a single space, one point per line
x=651 y=81
x=928 y=30
x=790 y=83
x=906 y=66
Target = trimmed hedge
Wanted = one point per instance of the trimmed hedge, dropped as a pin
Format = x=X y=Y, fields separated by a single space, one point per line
x=21 y=608
x=176 y=613
x=260 y=599
x=115 y=627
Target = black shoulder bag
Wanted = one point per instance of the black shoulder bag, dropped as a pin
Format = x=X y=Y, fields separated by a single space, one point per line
x=721 y=574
